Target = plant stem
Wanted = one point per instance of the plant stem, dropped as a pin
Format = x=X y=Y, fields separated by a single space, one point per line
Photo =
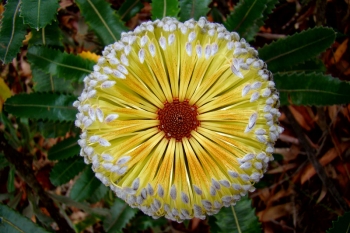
x=236 y=219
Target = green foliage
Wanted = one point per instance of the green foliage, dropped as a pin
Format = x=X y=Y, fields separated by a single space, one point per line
x=102 y=19
x=11 y=180
x=54 y=129
x=13 y=222
x=98 y=194
x=47 y=82
x=65 y=170
x=193 y=9
x=163 y=8
x=120 y=215
x=3 y=161
x=63 y=65
x=241 y=216
x=12 y=31
x=85 y=185
x=83 y=206
x=48 y=106
x=297 y=48
x=244 y=16
x=64 y=149
x=254 y=29
x=312 y=65
x=49 y=35
x=341 y=225
x=129 y=9
x=142 y=222
x=311 y=89
x=39 y=13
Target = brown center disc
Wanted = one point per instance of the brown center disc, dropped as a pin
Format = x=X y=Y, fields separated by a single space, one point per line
x=178 y=119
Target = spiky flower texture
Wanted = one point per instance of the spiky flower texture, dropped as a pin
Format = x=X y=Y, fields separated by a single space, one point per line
x=179 y=119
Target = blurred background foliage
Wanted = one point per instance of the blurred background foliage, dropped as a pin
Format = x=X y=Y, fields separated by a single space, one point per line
x=48 y=47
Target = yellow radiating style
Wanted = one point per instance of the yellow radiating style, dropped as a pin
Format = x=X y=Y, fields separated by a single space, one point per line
x=179 y=119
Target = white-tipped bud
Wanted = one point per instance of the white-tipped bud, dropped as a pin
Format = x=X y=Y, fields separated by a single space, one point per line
x=245 y=90
x=108 y=84
x=100 y=114
x=152 y=49
x=124 y=159
x=162 y=42
x=141 y=55
x=111 y=117
x=191 y=36
x=188 y=47
x=173 y=192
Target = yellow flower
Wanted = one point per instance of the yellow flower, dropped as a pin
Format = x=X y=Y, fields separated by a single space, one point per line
x=179 y=119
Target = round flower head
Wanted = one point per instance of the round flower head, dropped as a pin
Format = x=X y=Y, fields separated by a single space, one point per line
x=179 y=119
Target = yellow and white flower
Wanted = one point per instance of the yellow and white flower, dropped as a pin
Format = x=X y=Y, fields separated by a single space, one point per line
x=179 y=119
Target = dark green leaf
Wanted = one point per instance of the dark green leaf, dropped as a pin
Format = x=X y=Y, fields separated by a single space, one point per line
x=64 y=149
x=102 y=19
x=99 y=193
x=245 y=217
x=312 y=65
x=13 y=222
x=121 y=214
x=63 y=65
x=244 y=16
x=79 y=205
x=12 y=31
x=193 y=9
x=55 y=129
x=129 y=9
x=88 y=221
x=217 y=15
x=341 y=225
x=163 y=8
x=10 y=132
x=11 y=180
x=297 y=48
x=50 y=106
x=65 y=170
x=85 y=185
x=311 y=89
x=39 y=13
x=3 y=161
x=50 y=35
x=254 y=29
x=48 y=82
x=142 y=222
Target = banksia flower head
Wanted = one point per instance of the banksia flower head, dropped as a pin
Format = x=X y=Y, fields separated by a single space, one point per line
x=179 y=119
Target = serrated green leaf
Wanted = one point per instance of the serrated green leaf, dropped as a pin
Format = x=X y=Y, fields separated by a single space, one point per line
x=142 y=222
x=129 y=9
x=121 y=214
x=102 y=19
x=47 y=82
x=63 y=65
x=254 y=29
x=13 y=222
x=244 y=16
x=64 y=149
x=12 y=31
x=163 y=8
x=88 y=221
x=193 y=9
x=297 y=48
x=50 y=35
x=98 y=194
x=39 y=13
x=341 y=225
x=311 y=89
x=312 y=65
x=55 y=129
x=49 y=106
x=65 y=170
x=245 y=218
x=85 y=185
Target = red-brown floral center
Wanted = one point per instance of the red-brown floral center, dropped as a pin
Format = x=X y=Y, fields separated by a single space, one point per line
x=178 y=119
